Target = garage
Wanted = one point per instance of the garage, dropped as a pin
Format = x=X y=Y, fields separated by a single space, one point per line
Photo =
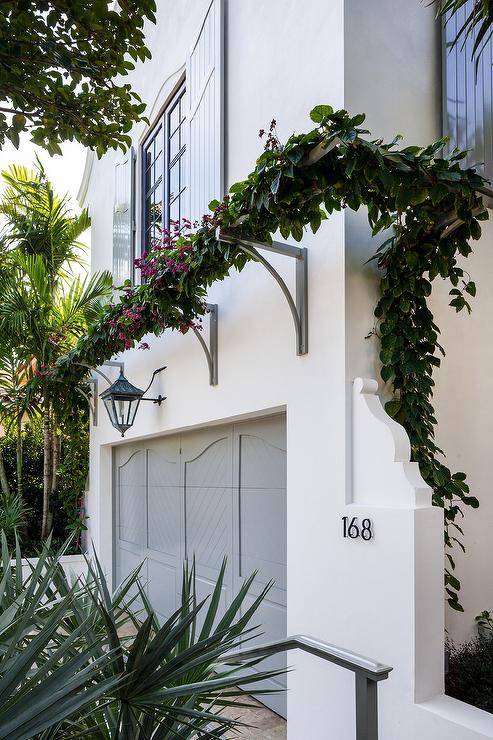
x=207 y=493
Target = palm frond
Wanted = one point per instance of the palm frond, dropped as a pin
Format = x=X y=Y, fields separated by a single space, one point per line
x=66 y=671
x=478 y=24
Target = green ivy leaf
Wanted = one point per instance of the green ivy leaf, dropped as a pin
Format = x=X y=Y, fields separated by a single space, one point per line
x=320 y=112
x=393 y=407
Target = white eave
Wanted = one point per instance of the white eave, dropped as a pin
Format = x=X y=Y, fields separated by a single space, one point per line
x=86 y=176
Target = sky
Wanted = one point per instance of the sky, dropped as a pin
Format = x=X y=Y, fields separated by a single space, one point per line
x=65 y=171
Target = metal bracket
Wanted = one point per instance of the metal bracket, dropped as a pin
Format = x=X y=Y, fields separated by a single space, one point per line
x=94 y=396
x=92 y=399
x=299 y=306
x=211 y=350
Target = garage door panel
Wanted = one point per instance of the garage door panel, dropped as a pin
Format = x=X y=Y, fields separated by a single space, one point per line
x=272 y=620
x=131 y=465
x=163 y=587
x=211 y=466
x=208 y=508
x=263 y=534
x=131 y=499
x=164 y=462
x=204 y=588
x=263 y=464
x=202 y=496
x=208 y=525
x=127 y=561
x=164 y=519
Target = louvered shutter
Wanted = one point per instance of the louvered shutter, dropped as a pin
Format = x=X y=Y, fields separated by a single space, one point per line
x=124 y=219
x=467 y=97
x=205 y=114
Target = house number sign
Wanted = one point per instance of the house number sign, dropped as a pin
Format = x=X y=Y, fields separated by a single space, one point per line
x=353 y=529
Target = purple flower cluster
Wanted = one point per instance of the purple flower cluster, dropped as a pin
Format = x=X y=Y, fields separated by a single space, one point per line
x=167 y=259
x=147 y=265
x=169 y=254
x=127 y=324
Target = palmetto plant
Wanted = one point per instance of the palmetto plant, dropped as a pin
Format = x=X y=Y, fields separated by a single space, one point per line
x=13 y=513
x=67 y=671
x=44 y=307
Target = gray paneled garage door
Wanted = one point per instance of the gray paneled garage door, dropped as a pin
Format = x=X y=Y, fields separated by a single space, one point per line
x=214 y=492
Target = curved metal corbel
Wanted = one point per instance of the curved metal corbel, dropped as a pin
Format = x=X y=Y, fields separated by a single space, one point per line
x=211 y=350
x=298 y=307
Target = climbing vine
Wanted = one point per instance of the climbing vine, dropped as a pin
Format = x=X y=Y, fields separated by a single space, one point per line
x=422 y=199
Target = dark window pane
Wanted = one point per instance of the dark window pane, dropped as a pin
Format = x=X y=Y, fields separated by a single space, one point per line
x=156 y=206
x=157 y=168
x=164 y=204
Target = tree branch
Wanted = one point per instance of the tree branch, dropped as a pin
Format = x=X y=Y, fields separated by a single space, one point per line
x=28 y=114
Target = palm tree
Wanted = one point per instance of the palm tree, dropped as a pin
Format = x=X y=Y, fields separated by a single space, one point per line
x=14 y=408
x=44 y=308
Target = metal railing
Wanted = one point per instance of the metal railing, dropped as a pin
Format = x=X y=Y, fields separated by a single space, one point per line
x=366 y=671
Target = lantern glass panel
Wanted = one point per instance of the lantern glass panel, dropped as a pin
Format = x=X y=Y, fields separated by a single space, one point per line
x=122 y=400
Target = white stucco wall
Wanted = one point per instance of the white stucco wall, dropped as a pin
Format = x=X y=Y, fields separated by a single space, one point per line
x=394 y=76
x=258 y=366
x=281 y=60
x=465 y=429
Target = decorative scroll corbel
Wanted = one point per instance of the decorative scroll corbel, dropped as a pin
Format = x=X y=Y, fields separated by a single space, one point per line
x=297 y=306
x=211 y=349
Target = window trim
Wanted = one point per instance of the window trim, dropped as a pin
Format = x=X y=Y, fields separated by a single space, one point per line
x=162 y=120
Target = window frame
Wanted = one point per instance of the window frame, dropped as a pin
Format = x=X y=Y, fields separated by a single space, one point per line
x=161 y=130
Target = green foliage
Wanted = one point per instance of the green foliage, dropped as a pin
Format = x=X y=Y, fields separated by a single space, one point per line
x=42 y=680
x=38 y=221
x=70 y=668
x=61 y=69
x=412 y=192
x=12 y=514
x=73 y=471
x=44 y=309
x=470 y=674
x=73 y=474
x=485 y=623
x=478 y=24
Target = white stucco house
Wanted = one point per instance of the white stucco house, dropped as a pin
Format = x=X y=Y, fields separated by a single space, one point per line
x=263 y=457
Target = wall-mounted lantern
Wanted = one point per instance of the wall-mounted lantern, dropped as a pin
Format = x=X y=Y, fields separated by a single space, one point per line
x=122 y=400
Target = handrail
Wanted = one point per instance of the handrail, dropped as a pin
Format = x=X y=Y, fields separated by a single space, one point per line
x=367 y=674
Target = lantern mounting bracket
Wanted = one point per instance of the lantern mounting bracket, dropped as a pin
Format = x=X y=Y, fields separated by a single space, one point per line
x=92 y=398
x=299 y=305
x=211 y=348
x=157 y=400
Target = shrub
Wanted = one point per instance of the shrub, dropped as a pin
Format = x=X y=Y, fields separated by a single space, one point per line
x=470 y=674
x=68 y=668
x=73 y=470
x=12 y=514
